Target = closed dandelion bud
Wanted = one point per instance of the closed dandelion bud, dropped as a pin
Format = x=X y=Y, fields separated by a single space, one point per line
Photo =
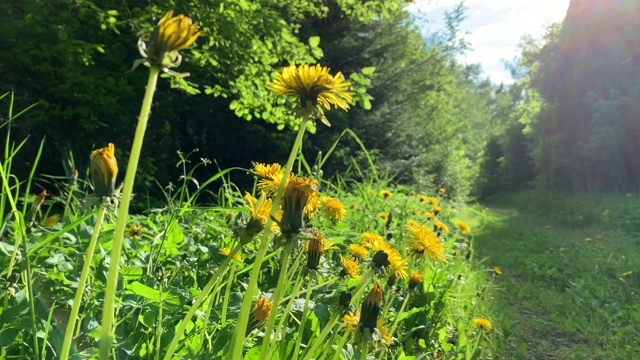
x=380 y=259
x=469 y=252
x=12 y=279
x=371 y=308
x=314 y=253
x=172 y=34
x=160 y=274
x=389 y=219
x=389 y=236
x=35 y=207
x=391 y=280
x=296 y=195
x=104 y=169
x=415 y=280
x=259 y=313
x=345 y=299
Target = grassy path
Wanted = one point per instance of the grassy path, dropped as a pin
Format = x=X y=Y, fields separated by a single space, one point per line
x=570 y=287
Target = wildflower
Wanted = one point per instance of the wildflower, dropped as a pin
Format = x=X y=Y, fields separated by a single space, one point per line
x=351 y=321
x=383 y=215
x=429 y=215
x=314 y=89
x=315 y=249
x=51 y=221
x=415 y=279
x=350 y=267
x=433 y=200
x=442 y=190
x=259 y=313
x=422 y=198
x=424 y=243
x=134 y=231
x=412 y=192
x=481 y=323
x=371 y=308
x=354 y=206
x=436 y=210
x=332 y=208
x=226 y=251
x=386 y=194
x=259 y=211
x=295 y=199
x=440 y=227
x=172 y=34
x=358 y=251
x=104 y=169
x=468 y=256
x=370 y=240
x=267 y=171
x=627 y=273
x=497 y=271
x=383 y=332
x=386 y=255
x=463 y=227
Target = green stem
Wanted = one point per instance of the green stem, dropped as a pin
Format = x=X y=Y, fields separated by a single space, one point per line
x=237 y=341
x=341 y=344
x=266 y=341
x=227 y=293
x=399 y=313
x=203 y=295
x=285 y=315
x=159 y=327
x=77 y=300
x=32 y=310
x=108 y=330
x=303 y=320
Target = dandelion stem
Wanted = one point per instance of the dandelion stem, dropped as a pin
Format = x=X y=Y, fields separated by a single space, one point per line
x=227 y=293
x=77 y=300
x=32 y=311
x=303 y=319
x=237 y=341
x=266 y=342
x=399 y=313
x=108 y=330
x=159 y=327
x=343 y=341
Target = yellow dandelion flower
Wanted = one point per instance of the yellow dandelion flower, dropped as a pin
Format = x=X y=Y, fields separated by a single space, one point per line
x=422 y=198
x=386 y=194
x=172 y=34
x=385 y=336
x=134 y=231
x=313 y=205
x=481 y=323
x=424 y=242
x=384 y=216
x=386 y=255
x=463 y=227
x=429 y=215
x=358 y=251
x=267 y=171
x=226 y=251
x=350 y=267
x=354 y=206
x=351 y=321
x=369 y=240
x=440 y=227
x=104 y=169
x=436 y=209
x=497 y=271
x=259 y=210
x=433 y=200
x=442 y=190
x=313 y=87
x=332 y=208
x=412 y=192
x=51 y=221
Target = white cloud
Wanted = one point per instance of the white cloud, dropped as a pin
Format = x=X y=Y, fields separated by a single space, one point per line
x=495 y=27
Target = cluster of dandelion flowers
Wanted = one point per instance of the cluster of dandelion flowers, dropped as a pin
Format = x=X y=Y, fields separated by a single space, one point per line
x=482 y=324
x=424 y=242
x=314 y=89
x=172 y=34
x=104 y=169
x=259 y=313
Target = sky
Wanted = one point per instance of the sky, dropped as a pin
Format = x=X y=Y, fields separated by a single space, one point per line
x=494 y=27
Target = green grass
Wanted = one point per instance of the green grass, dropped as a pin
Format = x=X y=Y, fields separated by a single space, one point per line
x=561 y=295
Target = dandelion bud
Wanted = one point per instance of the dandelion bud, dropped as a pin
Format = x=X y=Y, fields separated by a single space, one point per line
x=104 y=169
x=12 y=279
x=314 y=252
x=35 y=207
x=380 y=259
x=415 y=280
x=169 y=36
x=371 y=308
x=345 y=299
x=296 y=195
x=259 y=313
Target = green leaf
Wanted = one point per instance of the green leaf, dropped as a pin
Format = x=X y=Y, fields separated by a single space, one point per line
x=368 y=70
x=314 y=41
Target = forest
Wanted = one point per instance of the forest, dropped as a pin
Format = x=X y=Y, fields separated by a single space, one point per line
x=315 y=179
